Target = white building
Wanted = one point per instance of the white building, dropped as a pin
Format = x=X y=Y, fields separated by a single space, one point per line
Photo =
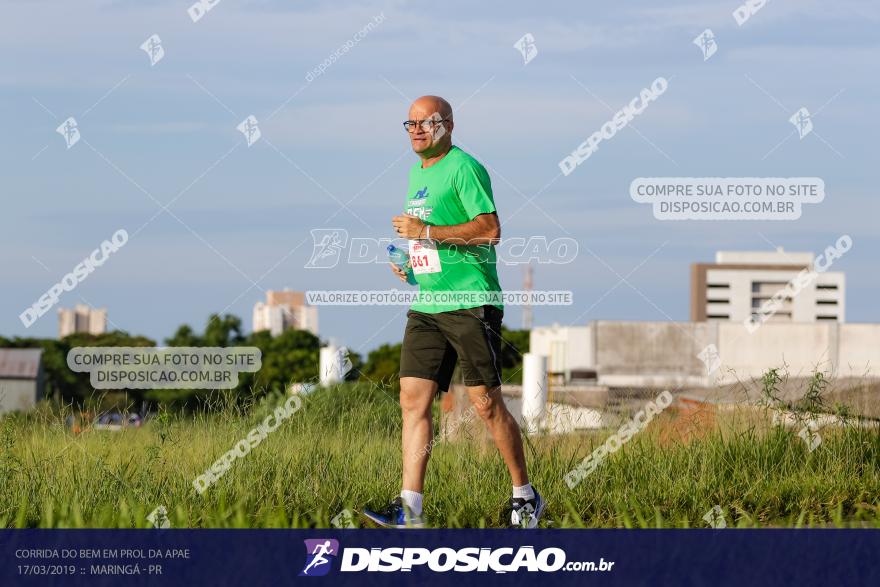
x=807 y=331
x=284 y=310
x=703 y=354
x=21 y=379
x=738 y=283
x=569 y=350
x=81 y=319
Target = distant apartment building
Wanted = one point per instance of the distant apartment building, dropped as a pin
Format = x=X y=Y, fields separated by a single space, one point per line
x=738 y=283
x=284 y=310
x=81 y=319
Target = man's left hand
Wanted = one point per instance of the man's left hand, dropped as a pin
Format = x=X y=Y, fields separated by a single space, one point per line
x=409 y=227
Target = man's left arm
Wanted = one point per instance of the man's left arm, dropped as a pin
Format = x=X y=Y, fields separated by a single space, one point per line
x=482 y=230
x=474 y=190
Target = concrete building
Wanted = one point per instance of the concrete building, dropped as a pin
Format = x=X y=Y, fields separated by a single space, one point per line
x=738 y=283
x=21 y=379
x=81 y=319
x=284 y=310
x=724 y=348
x=703 y=354
x=569 y=350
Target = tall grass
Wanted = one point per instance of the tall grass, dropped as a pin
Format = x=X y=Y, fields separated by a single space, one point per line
x=341 y=450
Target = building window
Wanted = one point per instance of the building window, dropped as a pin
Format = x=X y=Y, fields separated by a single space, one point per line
x=770 y=287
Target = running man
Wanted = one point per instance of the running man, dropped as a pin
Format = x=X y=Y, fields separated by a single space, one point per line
x=452 y=226
x=320 y=559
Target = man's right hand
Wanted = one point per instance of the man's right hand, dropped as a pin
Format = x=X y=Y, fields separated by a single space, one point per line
x=398 y=271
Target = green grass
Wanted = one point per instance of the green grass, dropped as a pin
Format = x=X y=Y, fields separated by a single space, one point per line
x=342 y=451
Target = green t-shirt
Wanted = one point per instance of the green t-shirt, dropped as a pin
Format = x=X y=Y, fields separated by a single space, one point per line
x=454 y=190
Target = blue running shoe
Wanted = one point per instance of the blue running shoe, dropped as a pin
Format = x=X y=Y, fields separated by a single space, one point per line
x=395 y=515
x=525 y=513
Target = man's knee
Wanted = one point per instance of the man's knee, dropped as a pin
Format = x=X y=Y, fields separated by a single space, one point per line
x=488 y=405
x=415 y=397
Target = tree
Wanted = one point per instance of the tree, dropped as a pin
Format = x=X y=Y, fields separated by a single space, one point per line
x=184 y=337
x=514 y=344
x=383 y=364
x=68 y=386
x=116 y=338
x=290 y=357
x=223 y=332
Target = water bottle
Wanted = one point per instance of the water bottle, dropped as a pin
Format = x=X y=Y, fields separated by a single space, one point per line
x=400 y=258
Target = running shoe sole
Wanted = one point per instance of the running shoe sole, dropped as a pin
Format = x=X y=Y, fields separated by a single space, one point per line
x=380 y=521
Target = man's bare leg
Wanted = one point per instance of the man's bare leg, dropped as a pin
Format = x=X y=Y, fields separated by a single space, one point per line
x=416 y=396
x=489 y=405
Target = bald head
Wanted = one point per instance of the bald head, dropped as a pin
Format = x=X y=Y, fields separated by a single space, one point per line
x=437 y=140
x=431 y=104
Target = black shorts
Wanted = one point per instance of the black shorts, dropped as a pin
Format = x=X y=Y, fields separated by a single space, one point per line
x=433 y=342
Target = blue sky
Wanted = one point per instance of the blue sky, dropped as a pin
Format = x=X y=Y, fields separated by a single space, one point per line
x=242 y=215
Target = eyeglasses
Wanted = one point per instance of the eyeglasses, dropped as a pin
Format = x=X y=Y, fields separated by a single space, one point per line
x=426 y=125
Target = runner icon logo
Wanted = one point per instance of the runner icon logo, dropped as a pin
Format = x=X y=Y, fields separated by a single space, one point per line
x=319 y=555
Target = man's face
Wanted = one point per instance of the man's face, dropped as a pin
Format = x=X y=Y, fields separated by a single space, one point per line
x=427 y=140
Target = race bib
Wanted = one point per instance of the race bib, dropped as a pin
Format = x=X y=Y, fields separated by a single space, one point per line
x=424 y=258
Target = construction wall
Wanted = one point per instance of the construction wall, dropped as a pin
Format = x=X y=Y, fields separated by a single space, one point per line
x=648 y=354
x=859 y=346
x=801 y=348
x=659 y=354
x=17 y=395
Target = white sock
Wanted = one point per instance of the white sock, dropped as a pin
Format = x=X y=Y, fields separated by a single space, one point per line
x=412 y=500
x=525 y=491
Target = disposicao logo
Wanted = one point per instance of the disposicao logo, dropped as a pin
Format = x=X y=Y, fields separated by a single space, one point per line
x=320 y=553
x=421 y=194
